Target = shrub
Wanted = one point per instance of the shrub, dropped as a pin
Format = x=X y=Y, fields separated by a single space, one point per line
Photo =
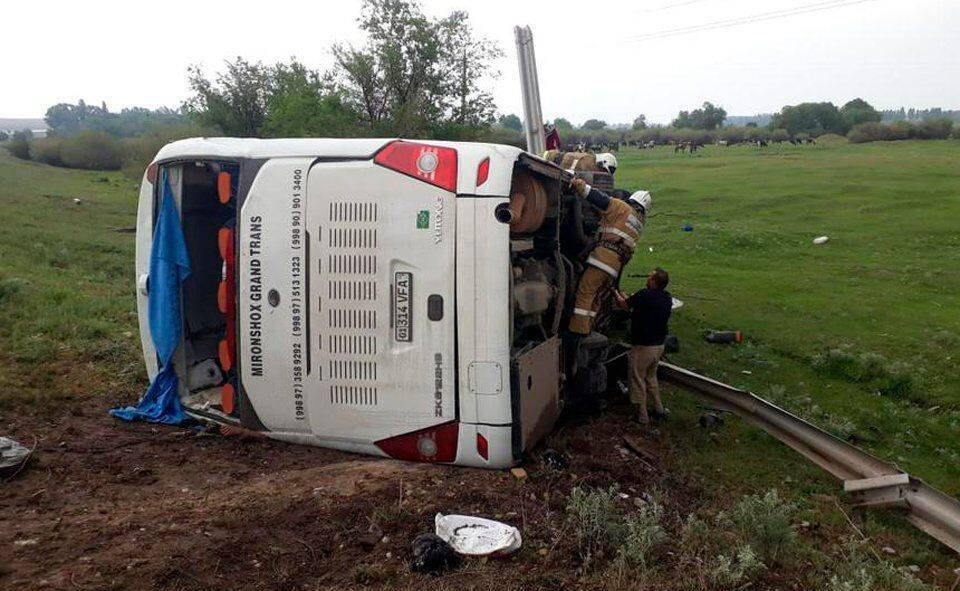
x=838 y=363
x=863 y=572
x=764 y=523
x=92 y=150
x=10 y=287
x=900 y=130
x=47 y=150
x=19 y=145
x=728 y=572
x=934 y=129
x=955 y=134
x=831 y=138
x=595 y=518
x=643 y=534
x=600 y=527
x=868 y=132
x=897 y=381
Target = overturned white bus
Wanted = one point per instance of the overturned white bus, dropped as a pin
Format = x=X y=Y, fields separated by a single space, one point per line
x=376 y=296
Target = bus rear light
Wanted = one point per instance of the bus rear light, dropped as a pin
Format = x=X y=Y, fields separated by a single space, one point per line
x=223 y=187
x=228 y=398
x=483 y=171
x=483 y=448
x=434 y=444
x=226 y=355
x=152 y=174
x=431 y=164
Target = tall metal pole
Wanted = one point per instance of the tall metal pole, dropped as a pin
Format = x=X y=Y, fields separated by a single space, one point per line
x=532 y=115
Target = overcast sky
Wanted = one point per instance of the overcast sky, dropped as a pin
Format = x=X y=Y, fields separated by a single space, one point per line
x=890 y=52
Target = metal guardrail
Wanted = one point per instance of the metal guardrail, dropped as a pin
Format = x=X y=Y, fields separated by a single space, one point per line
x=871 y=482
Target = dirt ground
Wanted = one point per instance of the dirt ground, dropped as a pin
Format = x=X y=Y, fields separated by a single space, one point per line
x=111 y=505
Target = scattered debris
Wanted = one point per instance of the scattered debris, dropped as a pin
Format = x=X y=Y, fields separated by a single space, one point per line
x=77 y=201
x=671 y=344
x=888 y=550
x=432 y=555
x=821 y=239
x=676 y=303
x=13 y=457
x=711 y=420
x=554 y=460
x=518 y=472
x=27 y=542
x=722 y=337
x=476 y=536
x=687 y=228
x=123 y=229
x=913 y=568
x=646 y=458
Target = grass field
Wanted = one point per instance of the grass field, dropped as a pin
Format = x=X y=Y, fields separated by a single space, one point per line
x=860 y=335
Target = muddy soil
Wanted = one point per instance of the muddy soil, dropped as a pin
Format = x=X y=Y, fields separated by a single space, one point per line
x=110 y=505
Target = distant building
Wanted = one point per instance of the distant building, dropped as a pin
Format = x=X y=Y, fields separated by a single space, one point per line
x=36 y=126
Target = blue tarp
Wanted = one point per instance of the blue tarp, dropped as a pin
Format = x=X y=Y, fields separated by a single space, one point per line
x=169 y=266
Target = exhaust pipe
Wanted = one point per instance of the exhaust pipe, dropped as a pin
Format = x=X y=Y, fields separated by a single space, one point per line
x=503 y=213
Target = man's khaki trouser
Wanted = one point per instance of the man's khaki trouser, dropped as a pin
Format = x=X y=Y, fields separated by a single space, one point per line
x=643 y=378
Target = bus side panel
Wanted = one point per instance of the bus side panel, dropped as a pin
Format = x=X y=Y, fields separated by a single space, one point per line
x=271 y=305
x=143 y=247
x=483 y=305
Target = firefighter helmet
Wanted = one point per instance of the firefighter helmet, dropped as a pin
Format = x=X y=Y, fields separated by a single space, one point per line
x=607 y=162
x=641 y=199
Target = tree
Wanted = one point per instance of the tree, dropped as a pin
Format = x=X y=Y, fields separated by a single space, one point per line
x=511 y=122
x=562 y=124
x=301 y=103
x=860 y=111
x=811 y=118
x=414 y=73
x=640 y=122
x=594 y=125
x=236 y=102
x=709 y=116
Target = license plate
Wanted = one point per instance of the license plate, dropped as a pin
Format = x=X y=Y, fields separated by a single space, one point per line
x=402 y=306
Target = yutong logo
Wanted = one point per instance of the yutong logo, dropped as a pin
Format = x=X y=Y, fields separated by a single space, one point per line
x=403 y=312
x=438 y=385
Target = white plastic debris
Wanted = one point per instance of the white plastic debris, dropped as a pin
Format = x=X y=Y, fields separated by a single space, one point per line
x=821 y=239
x=476 y=536
x=676 y=304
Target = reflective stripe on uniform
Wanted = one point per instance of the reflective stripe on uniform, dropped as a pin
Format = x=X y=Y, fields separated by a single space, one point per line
x=602 y=266
x=582 y=312
x=626 y=237
x=634 y=222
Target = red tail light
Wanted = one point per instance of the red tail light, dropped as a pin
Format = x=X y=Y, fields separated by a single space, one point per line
x=152 y=174
x=227 y=398
x=223 y=187
x=483 y=171
x=226 y=297
x=483 y=448
x=434 y=444
x=431 y=164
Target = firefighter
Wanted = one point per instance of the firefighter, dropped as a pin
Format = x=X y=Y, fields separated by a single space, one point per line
x=620 y=225
x=582 y=161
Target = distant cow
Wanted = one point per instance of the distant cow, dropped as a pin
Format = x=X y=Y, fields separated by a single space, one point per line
x=762 y=143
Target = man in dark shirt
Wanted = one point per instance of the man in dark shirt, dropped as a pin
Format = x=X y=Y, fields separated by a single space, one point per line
x=649 y=313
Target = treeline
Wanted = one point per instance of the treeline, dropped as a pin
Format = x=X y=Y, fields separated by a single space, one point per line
x=415 y=76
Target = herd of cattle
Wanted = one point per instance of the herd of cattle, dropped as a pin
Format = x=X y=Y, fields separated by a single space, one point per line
x=689 y=147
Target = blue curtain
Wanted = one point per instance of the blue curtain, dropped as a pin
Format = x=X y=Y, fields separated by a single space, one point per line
x=169 y=266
